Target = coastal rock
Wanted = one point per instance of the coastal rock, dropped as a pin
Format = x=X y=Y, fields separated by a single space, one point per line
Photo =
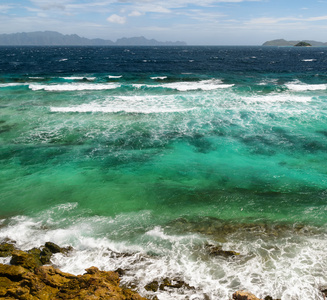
x=46 y=282
x=242 y=295
x=27 y=279
x=152 y=286
x=6 y=249
x=217 y=251
x=324 y=291
x=34 y=257
x=269 y=298
x=167 y=283
x=24 y=259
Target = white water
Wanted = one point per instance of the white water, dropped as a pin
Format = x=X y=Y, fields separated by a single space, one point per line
x=287 y=265
x=72 y=87
x=300 y=86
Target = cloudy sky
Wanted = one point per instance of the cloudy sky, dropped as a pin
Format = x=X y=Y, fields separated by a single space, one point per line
x=204 y=22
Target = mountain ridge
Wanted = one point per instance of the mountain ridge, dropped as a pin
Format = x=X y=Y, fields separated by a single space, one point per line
x=54 y=38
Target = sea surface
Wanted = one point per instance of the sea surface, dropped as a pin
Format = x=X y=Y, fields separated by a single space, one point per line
x=145 y=158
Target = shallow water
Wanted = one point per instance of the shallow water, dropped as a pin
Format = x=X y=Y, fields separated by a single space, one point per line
x=158 y=152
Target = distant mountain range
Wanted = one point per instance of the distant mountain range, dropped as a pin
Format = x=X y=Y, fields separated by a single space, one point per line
x=283 y=43
x=53 y=38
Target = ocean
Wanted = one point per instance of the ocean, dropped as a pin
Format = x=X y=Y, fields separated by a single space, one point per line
x=147 y=158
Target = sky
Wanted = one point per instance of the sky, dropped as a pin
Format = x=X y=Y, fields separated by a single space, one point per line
x=204 y=22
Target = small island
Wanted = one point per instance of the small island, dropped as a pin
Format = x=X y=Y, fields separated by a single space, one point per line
x=302 y=44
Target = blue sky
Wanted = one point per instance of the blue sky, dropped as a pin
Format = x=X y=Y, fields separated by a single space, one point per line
x=204 y=22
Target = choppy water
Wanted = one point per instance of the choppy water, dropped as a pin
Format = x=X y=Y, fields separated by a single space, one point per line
x=158 y=152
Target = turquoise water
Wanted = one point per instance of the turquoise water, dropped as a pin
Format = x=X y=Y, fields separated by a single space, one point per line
x=165 y=152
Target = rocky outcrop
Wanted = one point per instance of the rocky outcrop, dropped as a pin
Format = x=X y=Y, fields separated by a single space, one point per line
x=242 y=295
x=218 y=251
x=46 y=282
x=26 y=278
x=167 y=283
x=6 y=249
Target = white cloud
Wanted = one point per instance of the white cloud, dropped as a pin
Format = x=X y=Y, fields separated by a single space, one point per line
x=153 y=8
x=50 y=5
x=321 y=18
x=265 y=21
x=135 y=13
x=5 y=8
x=116 y=19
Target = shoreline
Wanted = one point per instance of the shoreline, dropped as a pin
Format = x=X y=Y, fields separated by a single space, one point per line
x=31 y=275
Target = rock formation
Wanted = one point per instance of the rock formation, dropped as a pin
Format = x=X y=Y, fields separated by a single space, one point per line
x=26 y=278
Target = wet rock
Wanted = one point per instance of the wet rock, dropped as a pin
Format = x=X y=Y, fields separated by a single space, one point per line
x=43 y=254
x=24 y=259
x=324 y=291
x=242 y=295
x=152 y=286
x=167 y=283
x=269 y=298
x=99 y=284
x=14 y=273
x=46 y=282
x=174 y=283
x=120 y=272
x=217 y=251
x=53 y=248
x=6 y=249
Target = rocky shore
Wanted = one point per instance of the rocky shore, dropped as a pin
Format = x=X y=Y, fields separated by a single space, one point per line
x=30 y=276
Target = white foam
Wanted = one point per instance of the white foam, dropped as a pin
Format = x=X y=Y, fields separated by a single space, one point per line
x=287 y=266
x=131 y=104
x=73 y=87
x=158 y=77
x=205 y=85
x=309 y=59
x=301 y=87
x=86 y=108
x=275 y=98
x=3 y=85
x=78 y=78
x=115 y=77
x=63 y=59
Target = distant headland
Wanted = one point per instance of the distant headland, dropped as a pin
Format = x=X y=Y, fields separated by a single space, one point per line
x=53 y=38
x=304 y=43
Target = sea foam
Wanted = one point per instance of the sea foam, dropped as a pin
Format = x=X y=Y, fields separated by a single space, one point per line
x=183 y=86
x=73 y=87
x=301 y=87
x=282 y=267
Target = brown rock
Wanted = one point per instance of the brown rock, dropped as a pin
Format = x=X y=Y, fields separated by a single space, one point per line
x=217 y=251
x=167 y=283
x=26 y=260
x=96 y=284
x=14 y=273
x=152 y=286
x=6 y=249
x=242 y=295
x=46 y=283
x=53 y=277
